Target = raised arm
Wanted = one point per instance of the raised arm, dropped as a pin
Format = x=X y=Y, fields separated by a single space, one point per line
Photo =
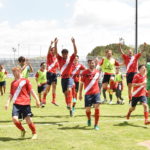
x=120 y=49
x=55 y=44
x=74 y=45
x=50 y=47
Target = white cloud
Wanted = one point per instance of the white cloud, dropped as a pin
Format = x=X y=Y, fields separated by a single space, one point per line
x=1 y=5
x=93 y=23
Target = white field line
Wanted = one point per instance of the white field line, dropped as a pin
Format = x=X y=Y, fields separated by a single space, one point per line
x=77 y=122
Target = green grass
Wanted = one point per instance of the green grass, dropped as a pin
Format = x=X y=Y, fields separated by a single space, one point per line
x=57 y=131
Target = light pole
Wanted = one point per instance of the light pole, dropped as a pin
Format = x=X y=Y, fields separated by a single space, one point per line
x=136 y=26
x=14 y=50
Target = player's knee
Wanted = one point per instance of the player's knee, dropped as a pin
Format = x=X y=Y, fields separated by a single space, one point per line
x=15 y=119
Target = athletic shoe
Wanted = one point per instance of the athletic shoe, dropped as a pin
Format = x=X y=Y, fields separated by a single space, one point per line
x=34 y=136
x=122 y=102
x=96 y=127
x=104 y=101
x=71 y=113
x=54 y=103
x=147 y=122
x=42 y=105
x=74 y=100
x=110 y=102
x=89 y=123
x=23 y=132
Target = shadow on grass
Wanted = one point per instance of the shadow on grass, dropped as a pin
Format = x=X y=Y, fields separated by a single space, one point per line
x=115 y=116
x=77 y=127
x=5 y=139
x=125 y=123
x=6 y=121
x=52 y=116
x=51 y=123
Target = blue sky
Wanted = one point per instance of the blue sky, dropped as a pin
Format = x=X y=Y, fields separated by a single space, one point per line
x=34 y=23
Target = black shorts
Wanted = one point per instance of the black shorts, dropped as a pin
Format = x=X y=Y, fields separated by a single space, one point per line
x=106 y=78
x=51 y=78
x=41 y=88
x=22 y=111
x=76 y=86
x=66 y=83
x=135 y=100
x=3 y=83
x=92 y=99
x=129 y=77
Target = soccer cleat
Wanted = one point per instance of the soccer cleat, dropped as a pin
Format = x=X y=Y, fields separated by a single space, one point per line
x=54 y=103
x=34 y=136
x=74 y=100
x=89 y=123
x=71 y=113
x=42 y=105
x=110 y=102
x=147 y=122
x=23 y=132
x=96 y=127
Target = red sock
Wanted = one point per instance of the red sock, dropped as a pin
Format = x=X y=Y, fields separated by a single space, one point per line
x=69 y=97
x=44 y=98
x=32 y=127
x=112 y=83
x=97 y=115
x=88 y=114
x=53 y=97
x=146 y=114
x=19 y=125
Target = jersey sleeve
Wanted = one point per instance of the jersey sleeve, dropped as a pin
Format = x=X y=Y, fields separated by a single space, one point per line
x=72 y=57
x=117 y=63
x=37 y=75
x=137 y=56
x=82 y=67
x=28 y=85
x=134 y=79
x=124 y=56
x=101 y=61
x=59 y=57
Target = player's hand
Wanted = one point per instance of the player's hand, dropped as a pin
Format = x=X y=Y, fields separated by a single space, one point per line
x=73 y=40
x=52 y=42
x=56 y=40
x=38 y=104
x=80 y=96
x=6 y=106
x=145 y=44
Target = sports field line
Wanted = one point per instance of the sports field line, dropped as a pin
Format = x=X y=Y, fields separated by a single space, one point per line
x=77 y=122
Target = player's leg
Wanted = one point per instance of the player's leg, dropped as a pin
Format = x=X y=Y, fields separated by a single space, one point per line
x=31 y=126
x=133 y=106
x=88 y=114
x=1 y=90
x=105 y=86
x=54 y=93
x=111 y=83
x=45 y=94
x=148 y=98
x=4 y=87
x=97 y=116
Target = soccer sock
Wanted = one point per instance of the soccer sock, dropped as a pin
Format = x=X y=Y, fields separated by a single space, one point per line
x=32 y=127
x=146 y=114
x=69 y=97
x=104 y=93
x=53 y=97
x=88 y=114
x=112 y=84
x=110 y=96
x=44 y=98
x=97 y=115
x=19 y=126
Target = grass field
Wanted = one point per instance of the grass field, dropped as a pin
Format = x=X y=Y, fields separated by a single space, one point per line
x=57 y=131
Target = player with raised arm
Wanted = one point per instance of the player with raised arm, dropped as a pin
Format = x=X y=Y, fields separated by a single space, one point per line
x=52 y=66
x=89 y=79
x=65 y=64
x=139 y=93
x=26 y=67
x=131 y=63
x=20 y=95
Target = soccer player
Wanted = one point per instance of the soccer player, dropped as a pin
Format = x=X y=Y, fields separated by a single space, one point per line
x=52 y=66
x=65 y=63
x=148 y=82
x=26 y=67
x=108 y=64
x=139 y=93
x=77 y=68
x=3 y=74
x=119 y=86
x=89 y=79
x=131 y=63
x=41 y=80
x=20 y=95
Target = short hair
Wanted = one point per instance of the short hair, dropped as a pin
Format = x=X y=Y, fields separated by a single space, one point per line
x=140 y=66
x=89 y=60
x=42 y=64
x=108 y=51
x=21 y=59
x=64 y=51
